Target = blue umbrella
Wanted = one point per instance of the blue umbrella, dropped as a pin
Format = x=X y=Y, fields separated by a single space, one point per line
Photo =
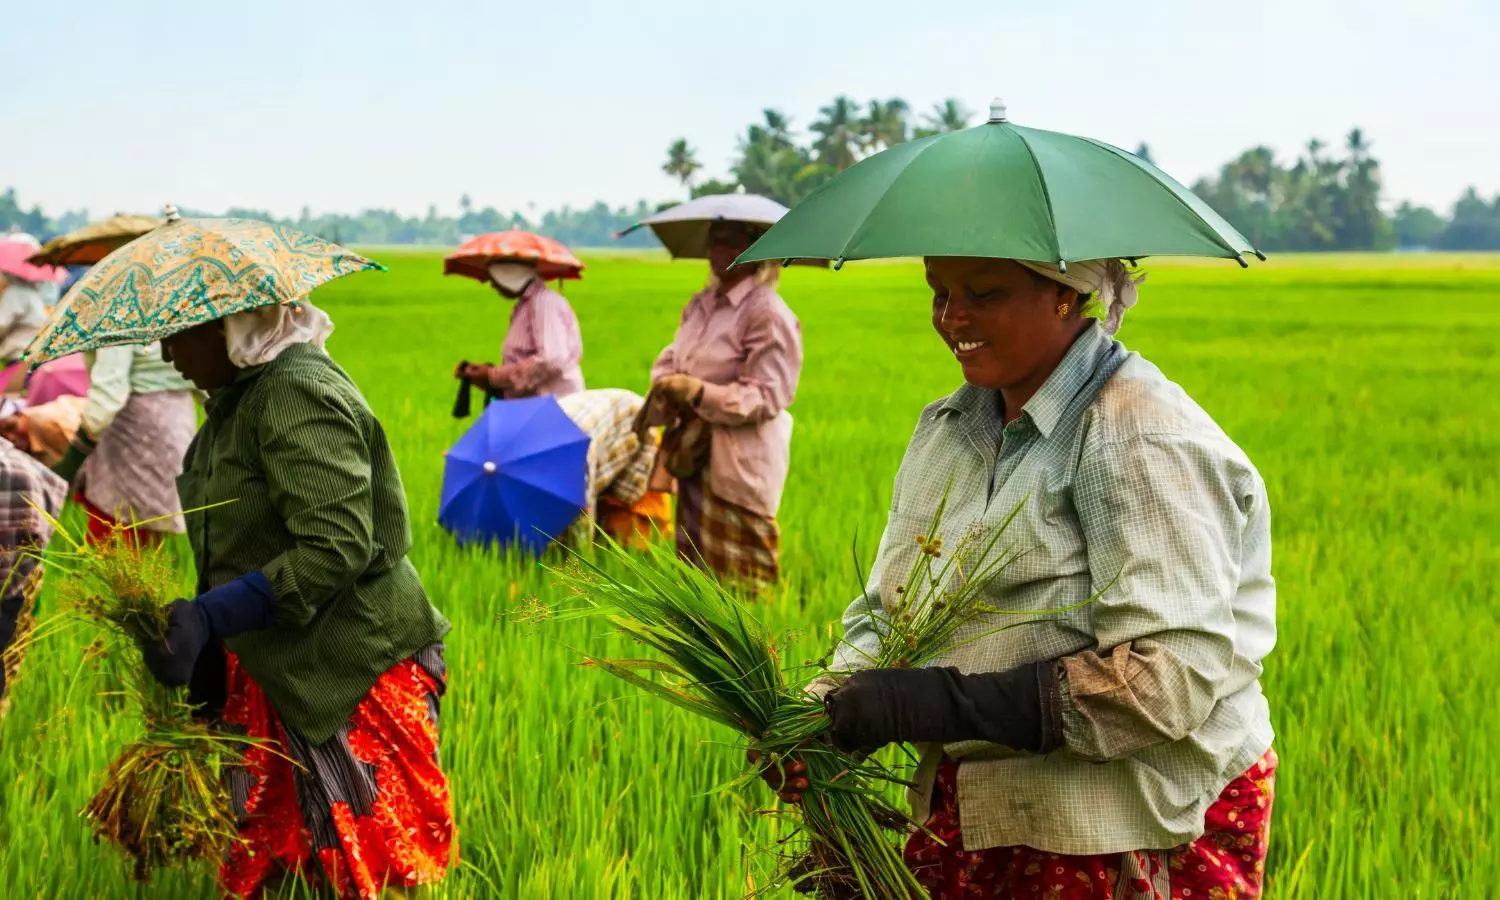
x=517 y=476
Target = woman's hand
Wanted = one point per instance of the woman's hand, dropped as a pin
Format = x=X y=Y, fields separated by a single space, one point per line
x=683 y=390
x=788 y=780
x=172 y=658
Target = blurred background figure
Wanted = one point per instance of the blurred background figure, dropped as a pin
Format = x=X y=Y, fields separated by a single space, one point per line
x=621 y=457
x=125 y=457
x=44 y=430
x=543 y=347
x=27 y=489
x=723 y=387
x=26 y=293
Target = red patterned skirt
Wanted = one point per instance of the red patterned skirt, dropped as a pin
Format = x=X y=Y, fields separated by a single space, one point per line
x=728 y=540
x=370 y=805
x=1226 y=863
x=102 y=525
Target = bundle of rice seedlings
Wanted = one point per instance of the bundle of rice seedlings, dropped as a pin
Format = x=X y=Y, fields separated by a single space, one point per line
x=164 y=801
x=719 y=662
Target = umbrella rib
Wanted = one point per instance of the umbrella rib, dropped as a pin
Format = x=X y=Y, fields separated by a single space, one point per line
x=1041 y=177
x=1218 y=237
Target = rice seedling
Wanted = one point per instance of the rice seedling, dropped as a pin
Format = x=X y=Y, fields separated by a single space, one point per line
x=163 y=801
x=722 y=664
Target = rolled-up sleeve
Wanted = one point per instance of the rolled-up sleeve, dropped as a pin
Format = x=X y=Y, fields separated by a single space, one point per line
x=1163 y=516
x=767 y=379
x=315 y=453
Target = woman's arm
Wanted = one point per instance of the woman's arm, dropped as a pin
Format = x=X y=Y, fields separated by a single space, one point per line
x=768 y=376
x=1164 y=519
x=316 y=457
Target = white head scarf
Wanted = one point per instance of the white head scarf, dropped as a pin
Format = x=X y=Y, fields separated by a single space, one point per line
x=1110 y=278
x=512 y=276
x=257 y=336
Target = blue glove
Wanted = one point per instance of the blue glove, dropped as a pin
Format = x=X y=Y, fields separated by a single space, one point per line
x=245 y=604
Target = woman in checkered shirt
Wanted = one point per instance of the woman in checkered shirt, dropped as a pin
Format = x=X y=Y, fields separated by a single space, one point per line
x=1119 y=749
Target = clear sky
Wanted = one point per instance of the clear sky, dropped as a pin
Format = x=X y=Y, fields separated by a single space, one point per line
x=339 y=106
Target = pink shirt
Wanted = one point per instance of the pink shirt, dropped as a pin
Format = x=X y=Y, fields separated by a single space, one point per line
x=746 y=347
x=542 y=348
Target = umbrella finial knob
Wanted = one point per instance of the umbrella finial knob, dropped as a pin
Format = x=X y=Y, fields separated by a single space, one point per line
x=997 y=110
x=739 y=189
x=489 y=468
x=170 y=212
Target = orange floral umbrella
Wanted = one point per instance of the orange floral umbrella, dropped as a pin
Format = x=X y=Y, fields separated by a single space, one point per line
x=552 y=259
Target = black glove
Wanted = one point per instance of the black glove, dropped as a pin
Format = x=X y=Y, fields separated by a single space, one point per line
x=241 y=605
x=1015 y=708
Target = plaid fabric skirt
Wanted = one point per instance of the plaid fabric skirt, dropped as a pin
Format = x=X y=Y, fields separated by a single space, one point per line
x=23 y=621
x=1226 y=863
x=367 y=809
x=730 y=541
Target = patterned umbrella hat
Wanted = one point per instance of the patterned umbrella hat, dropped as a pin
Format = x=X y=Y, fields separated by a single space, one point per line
x=552 y=260
x=93 y=242
x=185 y=273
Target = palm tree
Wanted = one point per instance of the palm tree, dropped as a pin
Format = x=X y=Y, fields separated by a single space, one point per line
x=682 y=163
x=778 y=128
x=950 y=115
x=885 y=123
x=838 y=132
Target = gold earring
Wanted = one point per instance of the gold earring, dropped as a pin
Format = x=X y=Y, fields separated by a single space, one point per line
x=1062 y=310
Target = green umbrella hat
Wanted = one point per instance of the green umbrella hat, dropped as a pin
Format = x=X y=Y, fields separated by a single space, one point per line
x=1001 y=190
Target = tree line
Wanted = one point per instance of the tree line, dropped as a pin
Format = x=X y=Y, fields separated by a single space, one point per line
x=593 y=226
x=1323 y=200
x=1327 y=198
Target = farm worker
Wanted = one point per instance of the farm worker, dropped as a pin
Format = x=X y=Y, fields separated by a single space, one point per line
x=23 y=312
x=723 y=387
x=138 y=420
x=622 y=455
x=311 y=630
x=29 y=490
x=1121 y=749
x=46 y=430
x=543 y=347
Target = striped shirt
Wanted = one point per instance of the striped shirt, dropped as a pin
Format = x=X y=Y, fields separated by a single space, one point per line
x=1126 y=483
x=317 y=506
x=542 y=349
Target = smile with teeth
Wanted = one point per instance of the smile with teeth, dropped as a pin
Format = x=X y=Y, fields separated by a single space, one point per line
x=966 y=346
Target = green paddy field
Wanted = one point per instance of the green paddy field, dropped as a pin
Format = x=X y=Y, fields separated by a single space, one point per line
x=1366 y=389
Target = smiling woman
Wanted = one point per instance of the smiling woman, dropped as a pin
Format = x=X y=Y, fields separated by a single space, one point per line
x=1120 y=750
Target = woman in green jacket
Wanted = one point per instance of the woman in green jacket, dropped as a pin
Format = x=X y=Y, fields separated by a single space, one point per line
x=311 y=629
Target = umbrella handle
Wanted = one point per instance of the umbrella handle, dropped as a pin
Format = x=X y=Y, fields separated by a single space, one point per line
x=461 y=403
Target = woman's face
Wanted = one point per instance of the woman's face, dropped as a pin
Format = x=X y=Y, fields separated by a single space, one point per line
x=17 y=430
x=1000 y=320
x=201 y=356
x=726 y=241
